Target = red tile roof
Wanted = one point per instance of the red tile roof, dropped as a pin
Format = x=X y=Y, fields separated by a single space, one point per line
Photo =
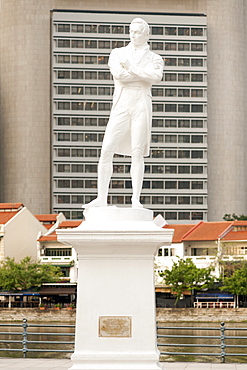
x=48 y=238
x=235 y=235
x=69 y=224
x=180 y=231
x=208 y=231
x=11 y=206
x=6 y=216
x=47 y=217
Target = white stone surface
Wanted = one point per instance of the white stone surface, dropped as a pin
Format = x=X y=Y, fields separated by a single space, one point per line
x=116 y=249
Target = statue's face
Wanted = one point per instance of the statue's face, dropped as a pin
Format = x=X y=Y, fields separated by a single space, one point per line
x=137 y=36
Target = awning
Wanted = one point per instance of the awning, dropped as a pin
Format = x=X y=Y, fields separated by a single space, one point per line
x=57 y=291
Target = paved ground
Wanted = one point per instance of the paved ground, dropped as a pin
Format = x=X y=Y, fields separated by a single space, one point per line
x=54 y=364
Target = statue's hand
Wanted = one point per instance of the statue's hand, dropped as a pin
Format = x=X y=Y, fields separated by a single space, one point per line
x=125 y=64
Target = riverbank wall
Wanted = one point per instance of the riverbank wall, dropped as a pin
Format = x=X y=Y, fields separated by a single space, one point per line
x=163 y=315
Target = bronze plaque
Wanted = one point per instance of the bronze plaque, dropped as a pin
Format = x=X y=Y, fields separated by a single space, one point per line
x=115 y=326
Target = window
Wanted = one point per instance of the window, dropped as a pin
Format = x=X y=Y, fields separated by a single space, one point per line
x=170 y=154
x=90 y=75
x=170 y=107
x=63 y=74
x=117 y=184
x=170 y=77
x=90 y=183
x=184 y=138
x=183 y=93
x=171 y=31
x=77 y=137
x=197 y=200
x=158 y=107
x=183 y=154
x=197 y=215
x=185 y=62
x=157 y=92
x=170 y=138
x=197 y=123
x=63 y=121
x=196 y=169
x=90 y=90
x=196 y=31
x=183 y=200
x=196 y=47
x=184 y=77
x=77 y=121
x=183 y=31
x=77 y=152
x=197 y=93
x=197 y=108
x=171 y=46
x=77 y=59
x=171 y=184
x=170 y=169
x=171 y=215
x=183 y=169
x=183 y=108
x=170 y=92
x=63 y=152
x=91 y=153
x=63 y=27
x=77 y=167
x=91 y=28
x=77 y=43
x=157 y=153
x=170 y=123
x=63 y=183
x=184 y=185
x=197 y=154
x=63 y=43
x=118 y=199
x=196 y=77
x=77 y=199
x=104 y=44
x=197 y=185
x=63 y=59
x=78 y=75
x=157 y=138
x=63 y=167
x=184 y=215
x=104 y=29
x=63 y=136
x=170 y=200
x=77 y=28
x=158 y=123
x=157 y=46
x=91 y=168
x=157 y=30
x=63 y=199
x=77 y=183
x=157 y=200
x=157 y=184
x=196 y=62
x=170 y=61
x=157 y=169
x=77 y=90
x=197 y=138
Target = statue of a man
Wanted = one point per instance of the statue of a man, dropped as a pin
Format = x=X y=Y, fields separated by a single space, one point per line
x=134 y=68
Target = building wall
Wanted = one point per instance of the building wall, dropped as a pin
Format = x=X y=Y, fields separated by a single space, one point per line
x=20 y=235
x=25 y=97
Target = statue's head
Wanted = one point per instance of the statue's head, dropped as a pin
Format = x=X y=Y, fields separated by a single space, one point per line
x=139 y=31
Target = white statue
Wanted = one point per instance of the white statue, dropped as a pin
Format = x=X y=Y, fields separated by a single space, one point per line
x=134 y=68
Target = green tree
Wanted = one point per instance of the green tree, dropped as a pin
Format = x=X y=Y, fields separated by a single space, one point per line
x=184 y=275
x=26 y=274
x=234 y=217
x=237 y=282
x=229 y=267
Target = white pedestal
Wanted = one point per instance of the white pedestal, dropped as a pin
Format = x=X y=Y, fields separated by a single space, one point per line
x=116 y=315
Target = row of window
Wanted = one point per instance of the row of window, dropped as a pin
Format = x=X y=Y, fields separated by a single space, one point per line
x=125 y=168
x=180 y=123
x=83 y=90
x=111 y=44
x=126 y=199
x=83 y=105
x=124 y=29
x=81 y=59
x=155 y=138
x=126 y=184
x=185 y=62
x=108 y=90
x=168 y=215
x=81 y=121
x=155 y=153
x=185 y=77
x=106 y=75
x=106 y=106
x=180 y=108
x=178 y=153
x=83 y=75
x=157 y=122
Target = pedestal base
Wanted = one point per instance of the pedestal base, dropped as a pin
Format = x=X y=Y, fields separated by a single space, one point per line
x=116 y=314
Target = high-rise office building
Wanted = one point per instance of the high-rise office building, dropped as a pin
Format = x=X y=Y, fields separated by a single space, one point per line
x=55 y=101
x=175 y=182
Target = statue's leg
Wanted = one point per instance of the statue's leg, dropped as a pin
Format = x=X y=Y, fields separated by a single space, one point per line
x=104 y=176
x=137 y=172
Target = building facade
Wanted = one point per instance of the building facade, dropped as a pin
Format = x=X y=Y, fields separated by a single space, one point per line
x=34 y=94
x=176 y=171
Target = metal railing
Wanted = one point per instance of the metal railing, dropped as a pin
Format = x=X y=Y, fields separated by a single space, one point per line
x=221 y=345
x=24 y=342
x=25 y=334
